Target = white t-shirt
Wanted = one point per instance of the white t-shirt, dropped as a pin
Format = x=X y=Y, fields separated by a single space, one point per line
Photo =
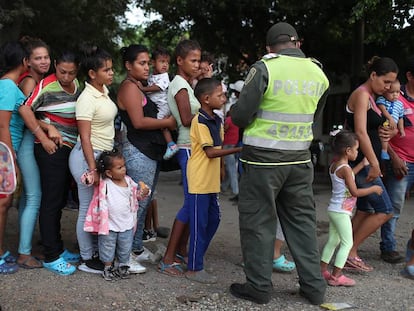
x=161 y=80
x=121 y=217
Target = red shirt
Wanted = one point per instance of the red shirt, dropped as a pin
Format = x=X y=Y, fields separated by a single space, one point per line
x=231 y=132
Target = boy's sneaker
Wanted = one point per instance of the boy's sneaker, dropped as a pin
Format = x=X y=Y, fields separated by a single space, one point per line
x=341 y=280
x=201 y=277
x=149 y=236
x=140 y=256
x=123 y=272
x=110 y=274
x=134 y=266
x=172 y=149
x=93 y=265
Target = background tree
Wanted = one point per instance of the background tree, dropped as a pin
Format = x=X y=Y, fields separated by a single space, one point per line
x=342 y=34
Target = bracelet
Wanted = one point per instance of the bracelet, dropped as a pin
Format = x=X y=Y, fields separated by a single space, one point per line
x=93 y=170
x=36 y=129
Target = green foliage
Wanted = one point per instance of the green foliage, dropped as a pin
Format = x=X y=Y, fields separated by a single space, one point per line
x=330 y=28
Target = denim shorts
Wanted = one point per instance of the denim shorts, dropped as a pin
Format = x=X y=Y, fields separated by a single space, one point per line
x=372 y=203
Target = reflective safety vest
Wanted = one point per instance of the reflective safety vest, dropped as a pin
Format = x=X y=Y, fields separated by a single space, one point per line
x=285 y=116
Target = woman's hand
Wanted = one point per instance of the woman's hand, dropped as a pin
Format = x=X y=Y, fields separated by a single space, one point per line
x=386 y=133
x=399 y=167
x=49 y=145
x=374 y=172
x=54 y=135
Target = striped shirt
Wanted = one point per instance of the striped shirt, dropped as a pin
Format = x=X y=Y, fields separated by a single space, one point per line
x=53 y=105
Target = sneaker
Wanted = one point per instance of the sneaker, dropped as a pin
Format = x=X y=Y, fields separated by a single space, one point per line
x=149 y=236
x=246 y=291
x=134 y=266
x=326 y=275
x=201 y=277
x=170 y=152
x=391 y=257
x=110 y=274
x=341 y=280
x=93 y=265
x=140 y=256
x=123 y=272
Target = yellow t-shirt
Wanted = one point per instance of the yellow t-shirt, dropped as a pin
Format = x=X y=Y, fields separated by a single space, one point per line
x=203 y=173
x=100 y=110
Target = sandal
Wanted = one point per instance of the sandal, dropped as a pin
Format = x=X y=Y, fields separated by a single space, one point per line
x=25 y=263
x=357 y=264
x=281 y=264
x=60 y=266
x=7 y=268
x=70 y=257
x=173 y=269
x=182 y=259
x=8 y=257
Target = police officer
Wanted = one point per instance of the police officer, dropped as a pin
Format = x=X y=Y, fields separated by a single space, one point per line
x=282 y=94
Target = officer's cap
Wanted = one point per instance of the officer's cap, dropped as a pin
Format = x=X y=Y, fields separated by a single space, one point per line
x=281 y=32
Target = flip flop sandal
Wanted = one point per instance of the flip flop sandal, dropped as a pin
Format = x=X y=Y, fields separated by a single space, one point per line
x=7 y=268
x=173 y=269
x=182 y=259
x=281 y=264
x=60 y=266
x=358 y=264
x=408 y=272
x=25 y=264
x=8 y=257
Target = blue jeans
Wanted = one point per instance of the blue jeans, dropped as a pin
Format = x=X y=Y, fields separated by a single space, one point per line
x=372 y=203
x=115 y=243
x=30 y=198
x=140 y=168
x=232 y=177
x=397 y=189
x=78 y=166
x=182 y=156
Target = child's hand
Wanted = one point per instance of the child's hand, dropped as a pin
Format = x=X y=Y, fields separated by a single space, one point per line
x=402 y=133
x=377 y=189
x=365 y=161
x=144 y=189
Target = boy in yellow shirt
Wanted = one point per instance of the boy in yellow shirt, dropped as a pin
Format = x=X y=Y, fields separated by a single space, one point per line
x=203 y=173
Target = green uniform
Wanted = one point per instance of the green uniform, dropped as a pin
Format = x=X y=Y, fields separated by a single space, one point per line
x=281 y=97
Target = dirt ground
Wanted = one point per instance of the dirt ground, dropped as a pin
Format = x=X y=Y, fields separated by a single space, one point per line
x=382 y=289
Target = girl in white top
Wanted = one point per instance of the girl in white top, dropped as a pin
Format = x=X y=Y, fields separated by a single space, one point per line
x=344 y=193
x=113 y=213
